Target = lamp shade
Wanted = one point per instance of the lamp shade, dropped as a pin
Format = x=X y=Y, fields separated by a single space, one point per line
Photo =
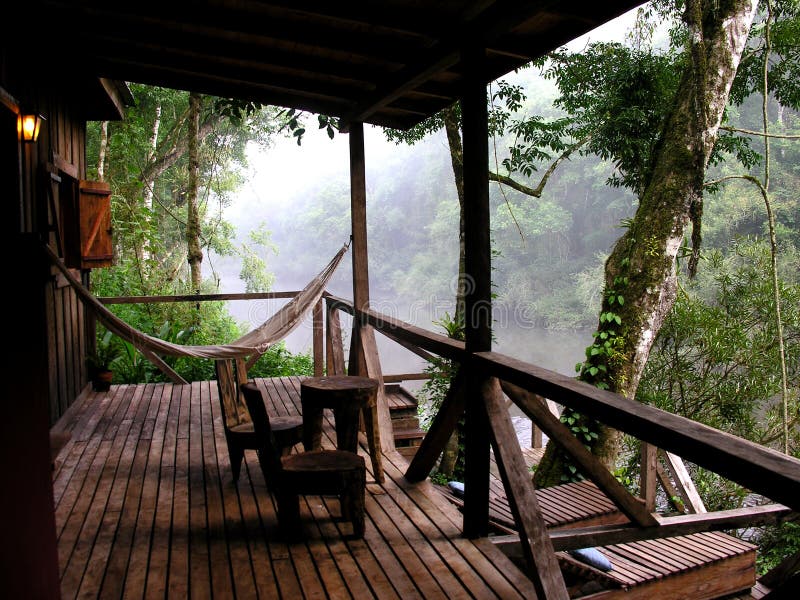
x=28 y=125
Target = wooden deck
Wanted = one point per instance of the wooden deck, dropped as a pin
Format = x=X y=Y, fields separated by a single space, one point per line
x=146 y=506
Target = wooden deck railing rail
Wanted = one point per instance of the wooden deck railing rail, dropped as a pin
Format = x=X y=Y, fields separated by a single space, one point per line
x=759 y=469
x=317 y=343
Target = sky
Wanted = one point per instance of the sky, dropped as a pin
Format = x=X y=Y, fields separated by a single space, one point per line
x=278 y=173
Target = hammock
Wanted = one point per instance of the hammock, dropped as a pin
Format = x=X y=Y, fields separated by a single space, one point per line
x=253 y=344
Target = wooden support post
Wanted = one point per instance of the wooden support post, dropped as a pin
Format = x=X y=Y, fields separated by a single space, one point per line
x=673 y=496
x=536 y=436
x=683 y=481
x=163 y=366
x=647 y=475
x=543 y=568
x=317 y=340
x=478 y=300
x=335 y=347
x=444 y=423
x=364 y=358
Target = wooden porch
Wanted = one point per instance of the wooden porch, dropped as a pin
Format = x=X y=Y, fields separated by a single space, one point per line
x=146 y=504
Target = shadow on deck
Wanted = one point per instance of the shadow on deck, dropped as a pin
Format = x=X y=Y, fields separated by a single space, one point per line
x=146 y=505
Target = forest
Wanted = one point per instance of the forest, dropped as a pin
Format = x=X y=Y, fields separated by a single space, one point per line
x=574 y=141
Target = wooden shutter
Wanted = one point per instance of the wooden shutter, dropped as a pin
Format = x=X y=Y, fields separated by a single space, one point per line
x=94 y=214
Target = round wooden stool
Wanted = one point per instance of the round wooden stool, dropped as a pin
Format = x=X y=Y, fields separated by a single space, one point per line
x=348 y=397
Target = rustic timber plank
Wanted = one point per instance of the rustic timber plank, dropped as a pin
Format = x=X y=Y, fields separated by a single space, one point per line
x=154 y=477
x=199 y=551
x=155 y=583
x=539 y=413
x=318 y=340
x=178 y=566
x=129 y=505
x=442 y=427
x=241 y=567
x=334 y=345
x=94 y=544
x=479 y=556
x=536 y=546
x=397 y=330
x=221 y=582
x=760 y=469
x=195 y=298
x=684 y=483
x=77 y=537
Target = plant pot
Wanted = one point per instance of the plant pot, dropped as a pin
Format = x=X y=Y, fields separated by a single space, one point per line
x=101 y=380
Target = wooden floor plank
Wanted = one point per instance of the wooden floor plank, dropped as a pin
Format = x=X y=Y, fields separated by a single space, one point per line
x=136 y=576
x=148 y=508
x=241 y=566
x=199 y=550
x=156 y=571
x=178 y=566
x=77 y=541
x=132 y=479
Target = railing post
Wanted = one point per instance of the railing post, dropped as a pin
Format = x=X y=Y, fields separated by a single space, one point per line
x=478 y=299
x=647 y=475
x=317 y=340
x=333 y=342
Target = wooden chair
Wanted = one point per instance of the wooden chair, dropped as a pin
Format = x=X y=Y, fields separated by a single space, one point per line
x=239 y=433
x=317 y=472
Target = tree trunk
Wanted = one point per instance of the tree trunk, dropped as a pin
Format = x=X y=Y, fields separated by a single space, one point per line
x=151 y=152
x=447 y=464
x=195 y=252
x=642 y=268
x=101 y=154
x=453 y=130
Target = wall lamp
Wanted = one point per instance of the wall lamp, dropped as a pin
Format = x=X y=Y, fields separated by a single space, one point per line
x=28 y=125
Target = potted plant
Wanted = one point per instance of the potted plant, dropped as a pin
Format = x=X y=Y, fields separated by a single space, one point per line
x=100 y=363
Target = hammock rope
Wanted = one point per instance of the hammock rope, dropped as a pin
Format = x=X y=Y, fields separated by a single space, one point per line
x=252 y=344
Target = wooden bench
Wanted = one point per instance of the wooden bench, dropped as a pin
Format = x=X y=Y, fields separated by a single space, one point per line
x=696 y=566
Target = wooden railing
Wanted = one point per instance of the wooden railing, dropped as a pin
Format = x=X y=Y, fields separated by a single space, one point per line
x=759 y=469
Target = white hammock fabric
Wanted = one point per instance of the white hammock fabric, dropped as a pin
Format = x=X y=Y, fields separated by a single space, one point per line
x=254 y=343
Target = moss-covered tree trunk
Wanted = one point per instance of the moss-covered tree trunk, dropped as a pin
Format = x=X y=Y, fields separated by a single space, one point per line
x=195 y=252
x=641 y=272
x=453 y=130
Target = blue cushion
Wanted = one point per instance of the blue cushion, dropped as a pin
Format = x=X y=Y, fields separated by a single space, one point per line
x=592 y=557
x=457 y=488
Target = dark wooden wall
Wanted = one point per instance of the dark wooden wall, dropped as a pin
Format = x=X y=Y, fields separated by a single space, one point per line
x=58 y=154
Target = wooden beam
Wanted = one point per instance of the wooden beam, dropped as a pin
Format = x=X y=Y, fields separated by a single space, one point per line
x=400 y=331
x=673 y=495
x=358 y=218
x=478 y=298
x=195 y=298
x=543 y=567
x=647 y=475
x=373 y=371
x=684 y=483
x=589 y=465
x=401 y=377
x=335 y=347
x=162 y=366
x=759 y=469
x=605 y=535
x=443 y=425
x=318 y=340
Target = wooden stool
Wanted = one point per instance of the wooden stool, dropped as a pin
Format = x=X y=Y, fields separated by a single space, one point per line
x=348 y=397
x=322 y=472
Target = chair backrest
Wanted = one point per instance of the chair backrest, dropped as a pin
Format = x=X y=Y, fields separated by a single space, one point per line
x=226 y=384
x=268 y=454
